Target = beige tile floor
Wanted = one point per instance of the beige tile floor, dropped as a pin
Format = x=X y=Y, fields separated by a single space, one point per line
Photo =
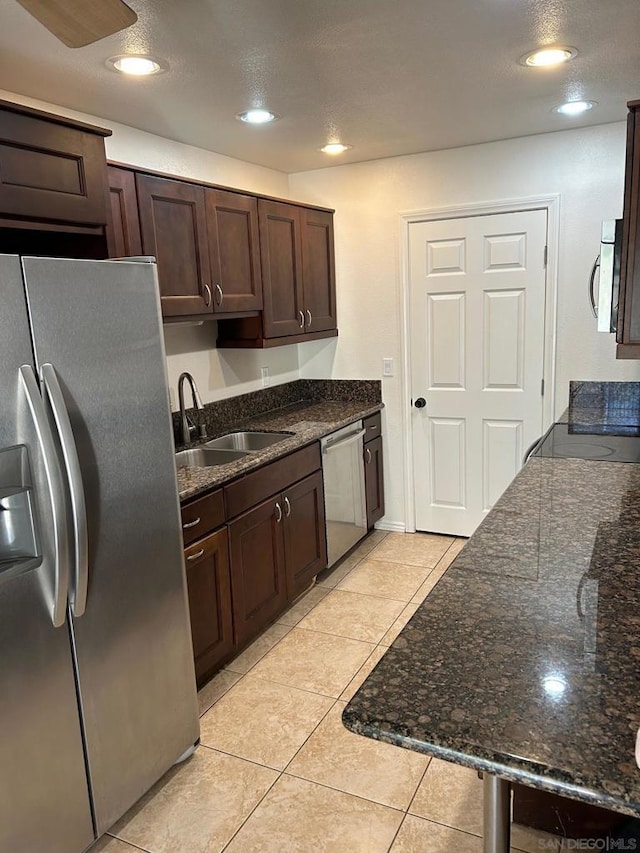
x=277 y=770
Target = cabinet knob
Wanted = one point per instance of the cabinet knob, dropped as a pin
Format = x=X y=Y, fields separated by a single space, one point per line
x=207 y=295
x=287 y=507
x=189 y=524
x=368 y=455
x=278 y=513
x=420 y=403
x=309 y=318
x=301 y=315
x=219 y=295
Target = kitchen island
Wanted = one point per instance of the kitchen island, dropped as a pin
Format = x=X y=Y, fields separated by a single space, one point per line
x=524 y=660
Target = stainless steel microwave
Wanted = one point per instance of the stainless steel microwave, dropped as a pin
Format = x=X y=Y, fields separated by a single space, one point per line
x=605 y=308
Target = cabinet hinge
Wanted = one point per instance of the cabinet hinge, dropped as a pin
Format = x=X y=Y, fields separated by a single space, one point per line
x=546 y=255
x=542 y=387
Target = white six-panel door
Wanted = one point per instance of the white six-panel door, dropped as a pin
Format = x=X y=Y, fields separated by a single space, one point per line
x=477 y=305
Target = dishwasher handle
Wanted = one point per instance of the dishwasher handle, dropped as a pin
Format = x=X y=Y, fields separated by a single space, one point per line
x=343 y=442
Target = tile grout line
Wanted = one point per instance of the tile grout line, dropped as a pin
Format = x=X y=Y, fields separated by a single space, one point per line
x=224 y=692
x=277 y=779
x=291 y=686
x=128 y=843
x=346 y=793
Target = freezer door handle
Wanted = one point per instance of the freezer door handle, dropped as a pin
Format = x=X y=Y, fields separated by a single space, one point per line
x=79 y=587
x=55 y=483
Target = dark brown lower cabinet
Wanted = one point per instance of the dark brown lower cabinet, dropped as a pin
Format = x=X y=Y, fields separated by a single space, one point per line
x=373 y=480
x=241 y=577
x=561 y=816
x=304 y=533
x=258 y=577
x=209 y=589
x=276 y=550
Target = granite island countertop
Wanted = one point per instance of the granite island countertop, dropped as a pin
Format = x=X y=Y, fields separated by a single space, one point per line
x=307 y=421
x=524 y=660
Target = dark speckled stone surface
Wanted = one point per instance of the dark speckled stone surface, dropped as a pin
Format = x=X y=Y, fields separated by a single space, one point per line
x=525 y=658
x=325 y=406
x=600 y=407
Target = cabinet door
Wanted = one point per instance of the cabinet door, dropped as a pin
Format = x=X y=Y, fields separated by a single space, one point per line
x=318 y=265
x=174 y=229
x=373 y=480
x=51 y=169
x=123 y=227
x=234 y=250
x=208 y=585
x=258 y=582
x=280 y=250
x=628 y=332
x=304 y=533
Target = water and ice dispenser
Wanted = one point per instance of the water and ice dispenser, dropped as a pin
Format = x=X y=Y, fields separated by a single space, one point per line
x=18 y=546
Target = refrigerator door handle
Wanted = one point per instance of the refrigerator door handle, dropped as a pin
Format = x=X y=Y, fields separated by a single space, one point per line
x=55 y=482
x=79 y=587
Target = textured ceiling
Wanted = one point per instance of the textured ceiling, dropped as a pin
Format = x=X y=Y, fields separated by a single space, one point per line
x=387 y=76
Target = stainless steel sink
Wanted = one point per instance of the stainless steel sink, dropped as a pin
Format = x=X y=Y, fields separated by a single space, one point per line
x=247 y=441
x=205 y=457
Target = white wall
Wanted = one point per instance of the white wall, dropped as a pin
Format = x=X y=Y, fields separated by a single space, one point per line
x=222 y=373
x=586 y=167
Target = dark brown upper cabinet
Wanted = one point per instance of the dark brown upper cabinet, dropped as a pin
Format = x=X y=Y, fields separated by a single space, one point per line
x=298 y=279
x=52 y=169
x=234 y=251
x=281 y=248
x=318 y=270
x=173 y=224
x=628 y=332
x=123 y=228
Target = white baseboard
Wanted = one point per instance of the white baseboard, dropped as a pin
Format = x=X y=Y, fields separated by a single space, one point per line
x=391 y=526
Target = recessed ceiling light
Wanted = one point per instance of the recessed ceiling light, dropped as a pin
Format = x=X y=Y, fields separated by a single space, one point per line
x=574 y=108
x=335 y=148
x=548 y=56
x=137 y=65
x=258 y=116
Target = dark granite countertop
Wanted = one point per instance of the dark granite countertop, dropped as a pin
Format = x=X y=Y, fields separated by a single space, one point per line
x=307 y=421
x=601 y=408
x=524 y=660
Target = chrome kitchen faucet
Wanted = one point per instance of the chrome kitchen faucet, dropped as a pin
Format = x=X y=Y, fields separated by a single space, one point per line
x=186 y=426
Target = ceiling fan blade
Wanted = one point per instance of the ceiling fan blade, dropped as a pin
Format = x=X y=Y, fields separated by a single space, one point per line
x=81 y=22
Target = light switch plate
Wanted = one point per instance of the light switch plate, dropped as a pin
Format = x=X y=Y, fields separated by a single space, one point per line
x=387 y=367
x=264 y=375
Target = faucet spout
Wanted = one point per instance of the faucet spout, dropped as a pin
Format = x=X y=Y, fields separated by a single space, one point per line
x=186 y=426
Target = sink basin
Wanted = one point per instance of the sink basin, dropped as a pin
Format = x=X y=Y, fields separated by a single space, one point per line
x=205 y=457
x=247 y=441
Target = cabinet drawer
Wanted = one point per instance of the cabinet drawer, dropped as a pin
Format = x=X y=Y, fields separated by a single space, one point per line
x=373 y=427
x=202 y=516
x=270 y=479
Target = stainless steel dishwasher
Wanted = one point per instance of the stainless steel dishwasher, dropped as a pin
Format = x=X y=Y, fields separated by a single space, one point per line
x=344 y=493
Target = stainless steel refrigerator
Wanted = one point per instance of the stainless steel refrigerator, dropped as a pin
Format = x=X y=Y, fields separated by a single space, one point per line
x=97 y=687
